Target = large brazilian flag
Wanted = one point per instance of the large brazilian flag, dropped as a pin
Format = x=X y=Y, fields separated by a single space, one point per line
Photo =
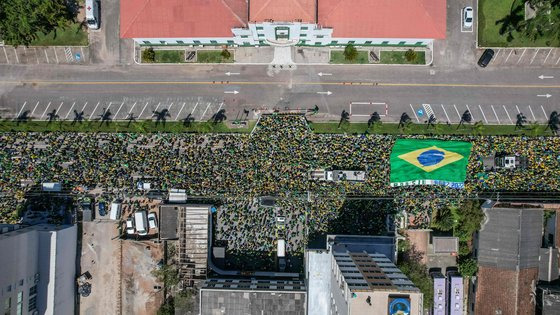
x=429 y=162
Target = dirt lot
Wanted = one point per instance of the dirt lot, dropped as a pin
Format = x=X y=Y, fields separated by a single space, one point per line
x=101 y=256
x=139 y=296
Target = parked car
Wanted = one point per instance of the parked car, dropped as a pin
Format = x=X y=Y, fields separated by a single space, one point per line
x=468 y=17
x=152 y=220
x=130 y=226
x=102 y=211
x=485 y=58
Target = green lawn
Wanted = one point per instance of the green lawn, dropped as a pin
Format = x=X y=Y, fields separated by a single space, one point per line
x=120 y=126
x=398 y=57
x=337 y=56
x=491 y=11
x=212 y=56
x=73 y=35
x=169 y=56
x=391 y=128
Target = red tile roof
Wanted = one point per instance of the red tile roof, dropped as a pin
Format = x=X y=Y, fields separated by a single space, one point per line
x=181 y=18
x=282 y=10
x=384 y=18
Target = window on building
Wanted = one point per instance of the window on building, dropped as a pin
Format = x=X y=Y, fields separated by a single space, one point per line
x=146 y=42
x=20 y=297
x=162 y=42
x=368 y=42
x=304 y=28
x=32 y=305
x=351 y=41
x=317 y=43
x=213 y=42
x=21 y=282
x=180 y=42
x=385 y=43
x=196 y=41
x=33 y=290
x=320 y=36
x=260 y=35
x=401 y=43
x=419 y=43
x=9 y=288
x=334 y=42
x=303 y=35
x=230 y=42
x=19 y=303
x=246 y=43
x=244 y=36
x=260 y=28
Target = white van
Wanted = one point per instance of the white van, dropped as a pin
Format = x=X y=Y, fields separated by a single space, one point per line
x=92 y=14
x=141 y=222
x=116 y=208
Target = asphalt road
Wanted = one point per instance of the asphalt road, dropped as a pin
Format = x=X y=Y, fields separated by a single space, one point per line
x=493 y=96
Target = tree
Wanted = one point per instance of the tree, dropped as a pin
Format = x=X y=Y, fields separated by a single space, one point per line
x=167 y=274
x=445 y=219
x=149 y=55
x=467 y=266
x=470 y=217
x=545 y=22
x=22 y=20
x=411 y=55
x=350 y=52
x=225 y=53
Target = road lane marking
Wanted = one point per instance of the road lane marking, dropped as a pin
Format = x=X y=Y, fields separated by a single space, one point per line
x=483 y=115
x=545 y=115
x=71 y=107
x=118 y=110
x=547 y=55
x=413 y=111
x=83 y=108
x=470 y=112
x=179 y=113
x=93 y=111
x=49 y=104
x=205 y=110
x=507 y=113
x=532 y=114
x=59 y=106
x=6 y=54
x=21 y=110
x=445 y=112
x=523 y=53
x=34 y=108
x=535 y=55
x=518 y=111
x=497 y=118
x=142 y=112
x=130 y=111
x=510 y=52
x=456 y=110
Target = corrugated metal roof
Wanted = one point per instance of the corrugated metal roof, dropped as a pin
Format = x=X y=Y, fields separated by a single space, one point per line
x=384 y=18
x=181 y=18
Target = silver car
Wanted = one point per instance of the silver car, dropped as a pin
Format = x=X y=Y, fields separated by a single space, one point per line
x=468 y=17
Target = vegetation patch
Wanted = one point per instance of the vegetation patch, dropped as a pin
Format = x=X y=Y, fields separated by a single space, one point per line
x=73 y=34
x=338 y=57
x=214 y=56
x=169 y=56
x=403 y=57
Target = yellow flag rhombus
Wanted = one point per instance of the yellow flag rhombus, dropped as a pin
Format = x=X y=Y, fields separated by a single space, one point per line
x=448 y=158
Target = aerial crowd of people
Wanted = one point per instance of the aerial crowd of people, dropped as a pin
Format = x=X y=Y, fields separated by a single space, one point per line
x=275 y=159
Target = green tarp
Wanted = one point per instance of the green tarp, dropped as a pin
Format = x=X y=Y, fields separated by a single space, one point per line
x=429 y=162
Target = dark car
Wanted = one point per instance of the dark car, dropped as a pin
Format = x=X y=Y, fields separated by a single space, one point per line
x=101 y=208
x=485 y=58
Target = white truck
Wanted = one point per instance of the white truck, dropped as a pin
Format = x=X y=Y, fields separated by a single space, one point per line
x=141 y=222
x=338 y=175
x=92 y=14
x=116 y=208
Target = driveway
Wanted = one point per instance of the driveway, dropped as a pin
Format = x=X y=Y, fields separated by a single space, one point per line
x=106 y=47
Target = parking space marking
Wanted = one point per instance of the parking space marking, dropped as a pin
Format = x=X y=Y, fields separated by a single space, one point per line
x=209 y=103
x=70 y=110
x=59 y=106
x=34 y=108
x=84 y=106
x=6 y=54
x=535 y=55
x=219 y=108
x=456 y=110
x=15 y=52
x=21 y=110
x=132 y=108
x=428 y=109
x=547 y=55
x=118 y=110
x=510 y=52
x=472 y=116
x=507 y=113
x=523 y=53
x=557 y=61
x=483 y=115
x=194 y=108
x=518 y=111
x=179 y=113
x=414 y=112
x=445 y=112
x=68 y=53
x=532 y=114
x=142 y=112
x=49 y=104
x=545 y=115
x=37 y=55
x=93 y=111
x=82 y=51
x=56 y=56
x=496 y=115
x=46 y=56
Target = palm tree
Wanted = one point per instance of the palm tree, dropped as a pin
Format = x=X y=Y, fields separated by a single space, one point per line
x=344 y=117
x=405 y=119
x=521 y=121
x=465 y=118
x=478 y=128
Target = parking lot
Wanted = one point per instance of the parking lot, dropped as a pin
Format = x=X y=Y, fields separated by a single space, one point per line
x=198 y=108
x=44 y=55
x=526 y=57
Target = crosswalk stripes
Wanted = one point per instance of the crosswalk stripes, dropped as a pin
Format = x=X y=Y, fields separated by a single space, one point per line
x=428 y=110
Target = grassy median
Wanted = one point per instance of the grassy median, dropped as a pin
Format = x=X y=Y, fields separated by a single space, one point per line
x=337 y=57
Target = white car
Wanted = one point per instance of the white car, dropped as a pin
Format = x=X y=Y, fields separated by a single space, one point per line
x=130 y=226
x=152 y=221
x=468 y=17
